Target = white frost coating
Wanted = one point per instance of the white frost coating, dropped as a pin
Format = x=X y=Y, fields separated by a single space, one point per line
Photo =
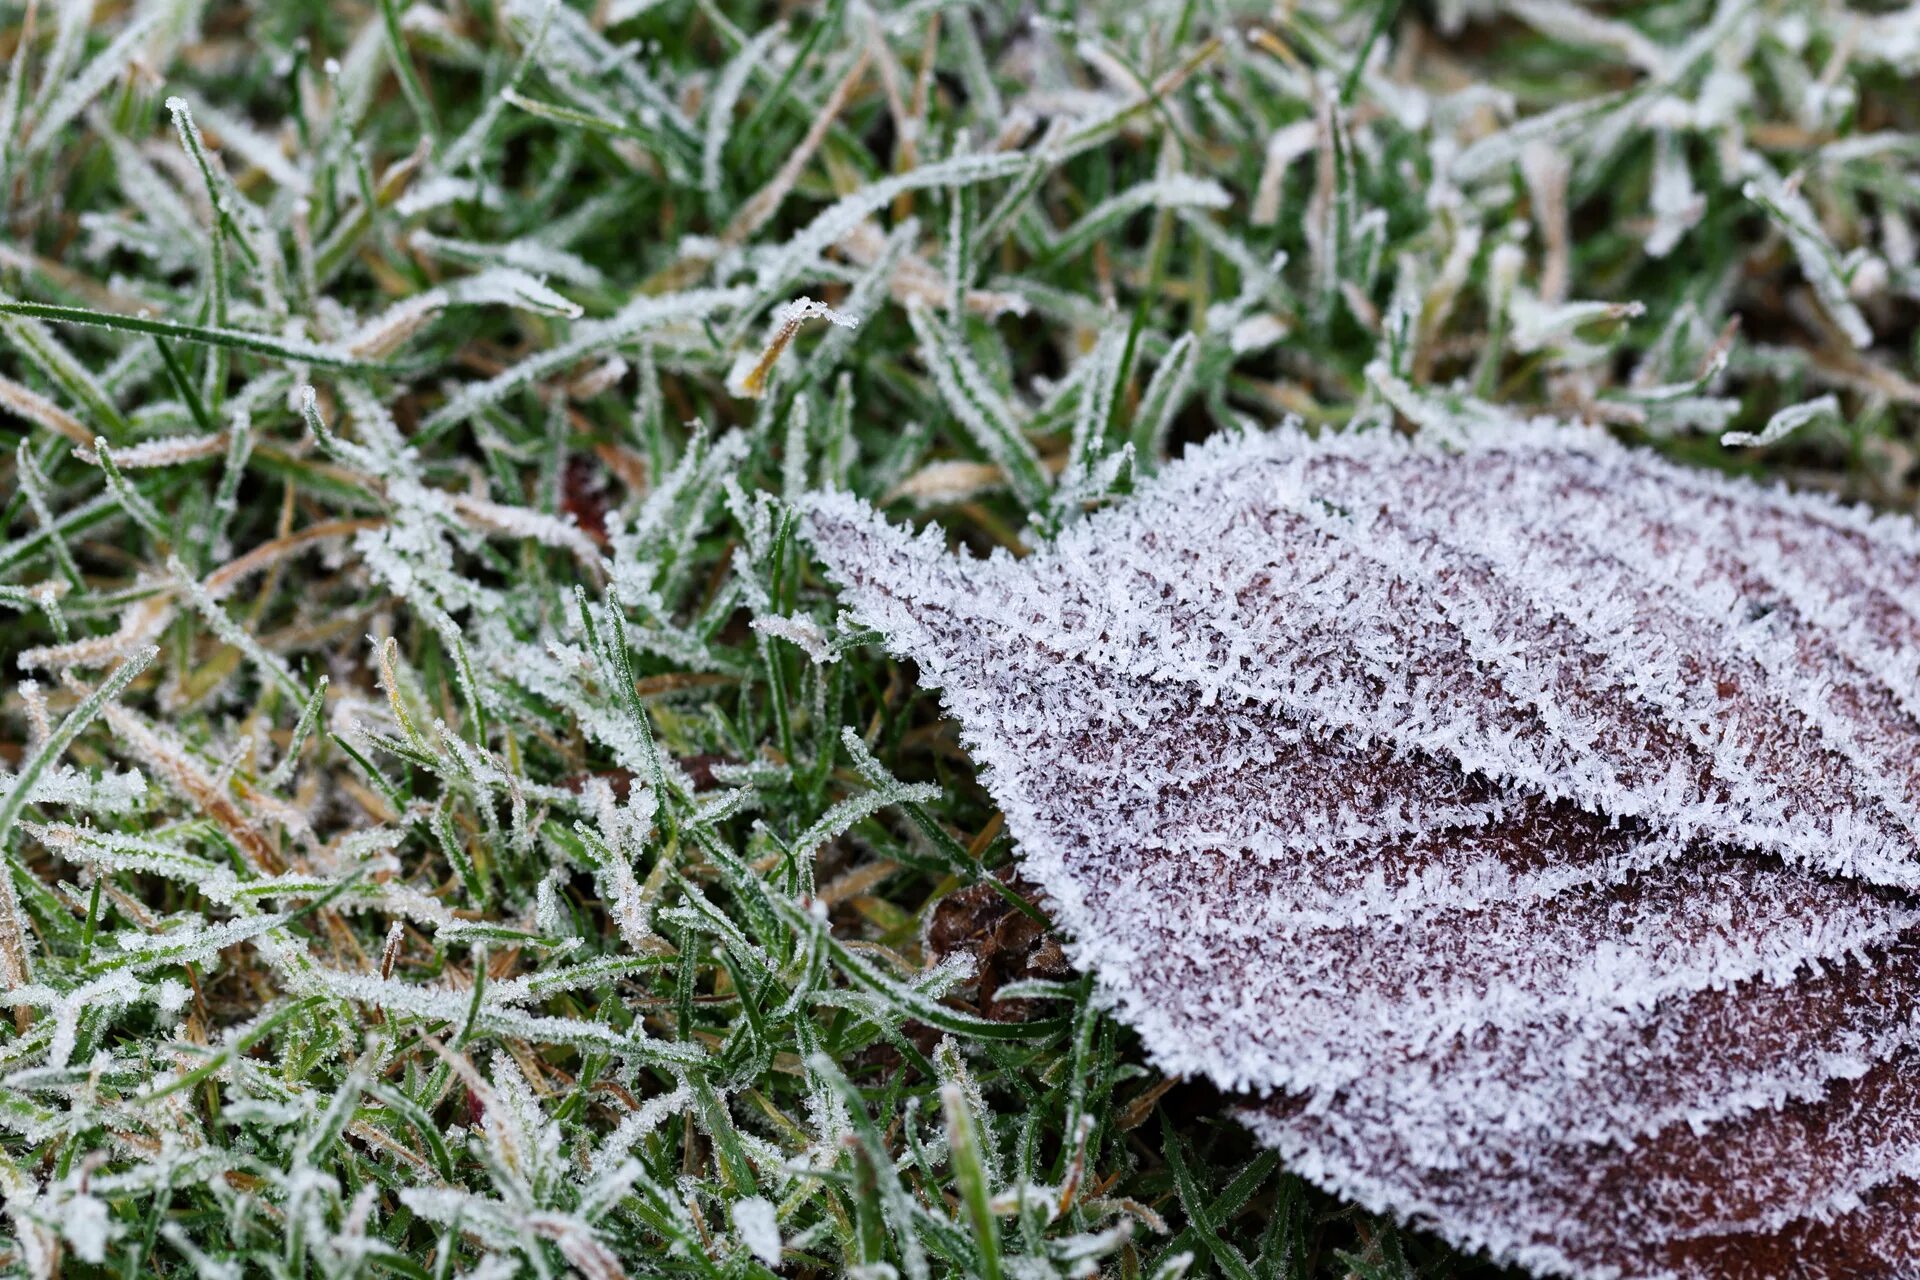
x=109 y=794
x=1257 y=333
x=1529 y=821
x=1287 y=144
x=726 y=98
x=1675 y=204
x=978 y=406
x=637 y=1124
x=169 y=451
x=523 y=522
x=799 y=630
x=1786 y=421
x=86 y=1225
x=759 y=1226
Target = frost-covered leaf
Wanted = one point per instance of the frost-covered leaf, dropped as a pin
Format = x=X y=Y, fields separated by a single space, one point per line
x=1528 y=820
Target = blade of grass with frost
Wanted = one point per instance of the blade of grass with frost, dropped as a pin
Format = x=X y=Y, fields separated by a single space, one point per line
x=333 y=253
x=60 y=365
x=127 y=853
x=1014 y=206
x=477 y=135
x=836 y=437
x=575 y=117
x=63 y=55
x=962 y=214
x=903 y=1215
x=1099 y=394
x=762 y=205
x=1178 y=191
x=723 y=102
x=796 y=256
x=270 y=665
x=236 y=1043
x=1231 y=1199
x=590 y=108
x=1676 y=205
x=1102 y=125
x=950 y=850
x=904 y=996
x=159 y=201
x=1194 y=1201
x=257 y=149
x=1726 y=28
x=1166 y=394
x=615 y=658
x=1577 y=26
x=1822 y=264
x=77 y=519
x=165 y=452
x=1495 y=153
x=980 y=409
x=1785 y=422
x=794 y=452
x=591 y=338
x=963 y=1147
x=748 y=377
x=867 y=297
x=226 y=499
x=24 y=599
x=90 y=81
x=138 y=509
x=13 y=100
x=236 y=216
x=293 y=350
x=654 y=552
x=496 y=286
x=528 y=254
x=410 y=86
x=575 y=44
x=15 y=965
x=1680 y=406
x=1536 y=325
x=36 y=409
x=1258 y=277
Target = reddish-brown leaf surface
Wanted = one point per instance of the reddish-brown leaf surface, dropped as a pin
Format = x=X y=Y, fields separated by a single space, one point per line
x=1007 y=944
x=1528 y=826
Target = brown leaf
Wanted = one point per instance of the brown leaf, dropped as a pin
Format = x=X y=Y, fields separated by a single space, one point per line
x=1007 y=944
x=583 y=495
x=1528 y=823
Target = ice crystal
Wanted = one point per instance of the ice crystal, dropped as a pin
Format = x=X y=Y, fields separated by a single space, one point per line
x=1526 y=822
x=759 y=1226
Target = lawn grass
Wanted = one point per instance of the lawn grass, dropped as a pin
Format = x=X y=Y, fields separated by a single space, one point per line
x=449 y=830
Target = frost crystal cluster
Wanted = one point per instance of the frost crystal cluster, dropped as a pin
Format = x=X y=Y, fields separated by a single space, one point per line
x=1526 y=823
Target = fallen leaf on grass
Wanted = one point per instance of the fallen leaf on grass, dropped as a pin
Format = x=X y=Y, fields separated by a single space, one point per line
x=1527 y=825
